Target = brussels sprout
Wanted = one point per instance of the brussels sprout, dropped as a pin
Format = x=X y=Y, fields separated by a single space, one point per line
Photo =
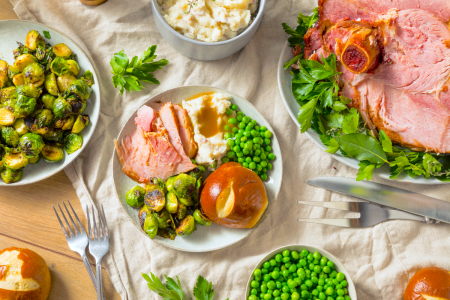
x=32 y=39
x=54 y=135
x=44 y=118
x=32 y=126
x=29 y=90
x=34 y=74
x=151 y=225
x=154 y=197
x=73 y=142
x=51 y=85
x=4 y=66
x=78 y=106
x=10 y=176
x=201 y=218
x=80 y=123
x=24 y=60
x=163 y=218
x=167 y=233
x=197 y=172
x=143 y=214
x=31 y=144
x=6 y=117
x=61 y=109
x=15 y=161
x=182 y=211
x=73 y=67
x=182 y=185
x=3 y=73
x=10 y=136
x=24 y=106
x=7 y=94
x=64 y=81
x=88 y=78
x=62 y=50
x=80 y=88
x=48 y=101
x=68 y=124
x=60 y=123
x=186 y=226
x=34 y=160
x=171 y=202
x=20 y=127
x=2 y=167
x=135 y=196
x=18 y=80
x=52 y=153
x=61 y=66
x=186 y=201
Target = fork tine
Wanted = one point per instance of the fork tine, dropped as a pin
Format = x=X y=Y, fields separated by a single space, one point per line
x=100 y=224
x=70 y=217
x=68 y=225
x=347 y=206
x=104 y=221
x=60 y=223
x=94 y=224
x=76 y=217
x=354 y=223
x=89 y=221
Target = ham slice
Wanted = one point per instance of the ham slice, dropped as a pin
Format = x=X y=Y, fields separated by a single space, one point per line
x=145 y=117
x=186 y=131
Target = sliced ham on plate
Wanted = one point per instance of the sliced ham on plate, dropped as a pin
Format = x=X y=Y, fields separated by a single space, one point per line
x=186 y=131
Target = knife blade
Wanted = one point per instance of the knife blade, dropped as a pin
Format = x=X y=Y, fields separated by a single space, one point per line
x=387 y=195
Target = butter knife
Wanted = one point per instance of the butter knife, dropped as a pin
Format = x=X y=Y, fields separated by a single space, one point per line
x=386 y=195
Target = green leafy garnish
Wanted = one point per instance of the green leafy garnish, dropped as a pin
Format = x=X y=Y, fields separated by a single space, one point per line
x=129 y=74
x=304 y=23
x=203 y=289
x=47 y=35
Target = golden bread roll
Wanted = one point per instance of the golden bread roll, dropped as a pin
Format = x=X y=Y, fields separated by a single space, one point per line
x=24 y=275
x=429 y=284
x=233 y=196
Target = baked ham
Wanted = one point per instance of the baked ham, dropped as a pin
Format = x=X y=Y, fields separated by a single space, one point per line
x=154 y=149
x=395 y=60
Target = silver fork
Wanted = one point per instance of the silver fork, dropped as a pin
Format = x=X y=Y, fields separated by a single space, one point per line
x=370 y=214
x=78 y=239
x=98 y=243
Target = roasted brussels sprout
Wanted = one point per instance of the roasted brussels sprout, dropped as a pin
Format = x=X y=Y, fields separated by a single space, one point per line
x=62 y=50
x=29 y=90
x=201 y=218
x=4 y=66
x=186 y=201
x=80 y=123
x=6 y=117
x=20 y=127
x=182 y=185
x=34 y=160
x=52 y=153
x=167 y=233
x=44 y=118
x=9 y=176
x=48 y=101
x=73 y=67
x=154 y=197
x=33 y=127
x=88 y=77
x=33 y=39
x=135 y=196
x=34 y=74
x=15 y=161
x=80 y=88
x=18 y=80
x=64 y=81
x=68 y=124
x=171 y=202
x=10 y=136
x=163 y=218
x=2 y=167
x=7 y=93
x=151 y=225
x=24 y=106
x=3 y=73
x=182 y=211
x=73 y=142
x=197 y=172
x=186 y=226
x=61 y=66
x=54 y=135
x=143 y=214
x=12 y=70
x=31 y=144
x=61 y=109
x=24 y=60
x=51 y=85
x=78 y=106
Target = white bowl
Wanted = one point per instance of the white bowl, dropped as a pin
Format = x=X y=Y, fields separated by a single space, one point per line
x=212 y=237
x=13 y=31
x=201 y=50
x=285 y=86
x=337 y=265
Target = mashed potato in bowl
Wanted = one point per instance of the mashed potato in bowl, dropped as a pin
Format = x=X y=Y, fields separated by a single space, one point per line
x=208 y=20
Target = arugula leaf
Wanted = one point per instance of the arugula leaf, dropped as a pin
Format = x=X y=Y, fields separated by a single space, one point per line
x=362 y=147
x=47 y=34
x=127 y=75
x=169 y=292
x=203 y=289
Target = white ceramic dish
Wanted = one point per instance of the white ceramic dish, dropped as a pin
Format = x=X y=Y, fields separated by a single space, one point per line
x=284 y=84
x=201 y=50
x=13 y=31
x=204 y=238
x=337 y=264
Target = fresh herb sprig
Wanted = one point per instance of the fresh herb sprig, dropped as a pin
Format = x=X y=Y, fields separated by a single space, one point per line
x=172 y=290
x=128 y=75
x=304 y=23
x=47 y=34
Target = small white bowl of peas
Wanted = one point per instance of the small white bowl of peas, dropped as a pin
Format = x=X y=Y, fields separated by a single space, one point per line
x=300 y=272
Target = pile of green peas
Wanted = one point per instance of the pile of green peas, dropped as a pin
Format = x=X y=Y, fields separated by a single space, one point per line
x=248 y=143
x=294 y=275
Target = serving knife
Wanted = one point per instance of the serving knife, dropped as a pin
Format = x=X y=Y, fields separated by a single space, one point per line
x=386 y=195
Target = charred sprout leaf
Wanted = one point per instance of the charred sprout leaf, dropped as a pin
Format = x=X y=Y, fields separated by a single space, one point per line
x=88 y=77
x=129 y=75
x=170 y=293
x=47 y=34
x=59 y=66
x=203 y=289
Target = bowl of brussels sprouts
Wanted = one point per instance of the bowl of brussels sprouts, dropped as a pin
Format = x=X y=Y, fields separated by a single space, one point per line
x=49 y=102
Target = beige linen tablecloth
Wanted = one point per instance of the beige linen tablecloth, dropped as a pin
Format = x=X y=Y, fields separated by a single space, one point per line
x=380 y=259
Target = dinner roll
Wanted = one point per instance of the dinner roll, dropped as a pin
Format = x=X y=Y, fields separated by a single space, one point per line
x=429 y=284
x=24 y=275
x=233 y=196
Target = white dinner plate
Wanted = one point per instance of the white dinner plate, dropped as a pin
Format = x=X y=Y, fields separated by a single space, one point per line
x=285 y=86
x=13 y=31
x=211 y=237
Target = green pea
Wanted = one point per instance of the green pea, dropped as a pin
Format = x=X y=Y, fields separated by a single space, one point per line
x=230 y=143
x=295 y=296
x=279 y=285
x=241 y=160
x=239 y=117
x=340 y=298
x=252 y=165
x=232 y=121
x=247 y=133
x=231 y=154
x=276 y=293
x=234 y=107
x=263 y=176
x=293 y=268
x=235 y=130
x=338 y=286
x=285 y=273
x=268 y=148
x=242 y=125
x=269 y=166
x=323 y=261
x=254 y=284
x=252 y=297
x=292 y=284
x=285 y=296
x=317 y=255
x=268 y=134
x=262 y=128
x=257 y=127
x=344 y=283
x=305 y=294
x=256 y=159
x=333 y=274
x=227 y=128
x=246 y=119
x=275 y=274
x=245 y=165
x=227 y=135
x=340 y=276
x=330 y=264
x=225 y=159
x=285 y=289
x=340 y=292
x=271 y=284
x=317 y=269
x=322 y=296
x=287 y=265
x=329 y=291
x=264 y=288
x=254 y=292
x=266 y=141
x=286 y=258
x=239 y=154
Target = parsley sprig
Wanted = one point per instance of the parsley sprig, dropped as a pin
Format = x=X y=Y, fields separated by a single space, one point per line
x=128 y=75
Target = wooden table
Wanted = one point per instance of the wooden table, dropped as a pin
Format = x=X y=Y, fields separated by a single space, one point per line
x=27 y=220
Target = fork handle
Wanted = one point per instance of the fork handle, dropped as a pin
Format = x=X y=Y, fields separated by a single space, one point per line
x=87 y=264
x=98 y=268
x=401 y=215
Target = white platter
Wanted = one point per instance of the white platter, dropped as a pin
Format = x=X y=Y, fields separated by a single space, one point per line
x=285 y=86
x=204 y=238
x=13 y=31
